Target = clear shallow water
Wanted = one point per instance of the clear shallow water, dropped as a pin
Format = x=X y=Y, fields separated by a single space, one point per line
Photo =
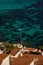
x=24 y=15
x=15 y=4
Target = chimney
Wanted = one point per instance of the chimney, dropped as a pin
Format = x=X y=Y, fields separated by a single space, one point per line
x=21 y=54
x=39 y=50
x=35 y=50
x=34 y=60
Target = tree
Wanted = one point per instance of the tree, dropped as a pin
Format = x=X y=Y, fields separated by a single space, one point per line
x=40 y=47
x=8 y=47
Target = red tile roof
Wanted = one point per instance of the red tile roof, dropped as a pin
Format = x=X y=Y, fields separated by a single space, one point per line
x=14 y=51
x=40 y=60
x=2 y=56
x=31 y=49
x=26 y=59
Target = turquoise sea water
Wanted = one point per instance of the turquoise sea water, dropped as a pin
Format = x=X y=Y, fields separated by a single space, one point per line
x=15 y=4
x=26 y=15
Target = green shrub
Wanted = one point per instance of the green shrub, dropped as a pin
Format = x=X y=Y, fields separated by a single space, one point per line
x=40 y=47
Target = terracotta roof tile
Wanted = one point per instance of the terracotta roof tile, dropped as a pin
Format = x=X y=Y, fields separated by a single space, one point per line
x=26 y=59
x=14 y=51
x=31 y=49
x=2 y=56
